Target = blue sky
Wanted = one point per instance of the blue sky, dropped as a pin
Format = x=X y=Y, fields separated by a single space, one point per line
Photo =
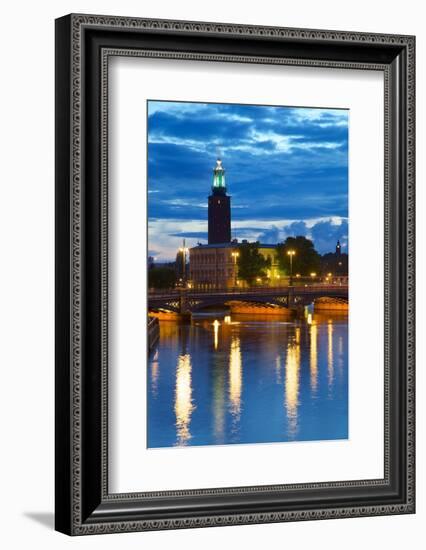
x=286 y=171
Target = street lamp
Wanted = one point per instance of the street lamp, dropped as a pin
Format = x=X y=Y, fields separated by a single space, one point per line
x=235 y=256
x=291 y=253
x=183 y=250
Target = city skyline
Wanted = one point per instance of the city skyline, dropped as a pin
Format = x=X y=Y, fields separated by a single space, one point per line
x=286 y=169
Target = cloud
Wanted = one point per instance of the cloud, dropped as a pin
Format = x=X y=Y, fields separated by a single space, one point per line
x=324 y=233
x=168 y=234
x=283 y=165
x=185 y=203
x=285 y=143
x=191 y=234
x=324 y=118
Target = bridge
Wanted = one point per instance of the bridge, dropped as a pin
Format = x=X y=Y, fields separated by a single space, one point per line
x=186 y=300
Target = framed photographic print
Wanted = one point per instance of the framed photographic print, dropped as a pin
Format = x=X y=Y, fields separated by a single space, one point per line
x=234 y=274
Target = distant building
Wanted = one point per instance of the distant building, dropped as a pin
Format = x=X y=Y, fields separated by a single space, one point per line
x=219 y=208
x=335 y=263
x=216 y=265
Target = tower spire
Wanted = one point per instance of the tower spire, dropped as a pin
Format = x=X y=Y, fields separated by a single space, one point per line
x=219 y=186
x=219 y=208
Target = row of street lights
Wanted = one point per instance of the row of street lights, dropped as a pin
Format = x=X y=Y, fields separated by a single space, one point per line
x=291 y=253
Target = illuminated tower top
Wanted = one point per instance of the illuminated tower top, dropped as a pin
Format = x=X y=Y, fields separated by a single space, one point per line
x=338 y=248
x=219 y=208
x=219 y=186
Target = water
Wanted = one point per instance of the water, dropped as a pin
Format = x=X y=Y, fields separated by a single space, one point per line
x=249 y=380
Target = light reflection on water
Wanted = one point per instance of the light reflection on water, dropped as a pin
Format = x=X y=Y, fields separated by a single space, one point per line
x=235 y=378
x=292 y=374
x=313 y=357
x=249 y=380
x=183 y=399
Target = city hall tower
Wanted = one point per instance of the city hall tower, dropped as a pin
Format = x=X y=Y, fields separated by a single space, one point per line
x=219 y=227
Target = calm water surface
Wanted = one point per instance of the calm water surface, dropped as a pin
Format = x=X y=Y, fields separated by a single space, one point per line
x=249 y=380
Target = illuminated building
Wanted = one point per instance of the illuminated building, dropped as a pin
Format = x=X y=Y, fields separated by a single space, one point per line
x=215 y=265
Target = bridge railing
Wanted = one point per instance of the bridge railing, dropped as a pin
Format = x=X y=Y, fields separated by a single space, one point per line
x=236 y=291
x=298 y=284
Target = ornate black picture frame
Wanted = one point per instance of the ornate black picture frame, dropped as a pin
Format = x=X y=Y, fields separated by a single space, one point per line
x=83 y=45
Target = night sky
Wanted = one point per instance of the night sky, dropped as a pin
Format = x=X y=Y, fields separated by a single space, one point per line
x=286 y=171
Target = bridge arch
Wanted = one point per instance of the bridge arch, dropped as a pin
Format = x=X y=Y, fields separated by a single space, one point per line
x=233 y=303
x=327 y=303
x=287 y=297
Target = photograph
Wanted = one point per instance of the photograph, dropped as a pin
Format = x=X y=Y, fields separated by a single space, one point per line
x=234 y=274
x=247 y=274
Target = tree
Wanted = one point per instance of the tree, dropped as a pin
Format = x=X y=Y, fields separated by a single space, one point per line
x=306 y=259
x=251 y=263
x=161 y=277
